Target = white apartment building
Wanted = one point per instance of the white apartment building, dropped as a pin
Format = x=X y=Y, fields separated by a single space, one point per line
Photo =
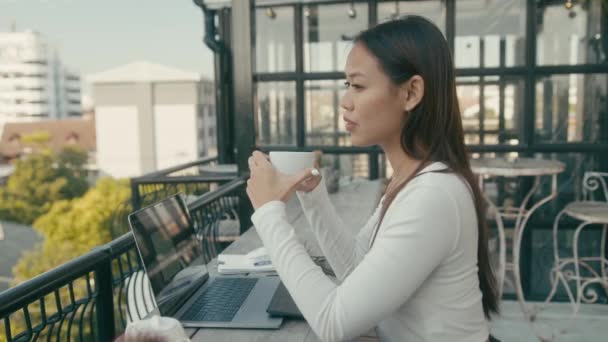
x=149 y=117
x=34 y=84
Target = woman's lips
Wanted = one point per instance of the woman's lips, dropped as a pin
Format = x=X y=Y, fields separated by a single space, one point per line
x=350 y=126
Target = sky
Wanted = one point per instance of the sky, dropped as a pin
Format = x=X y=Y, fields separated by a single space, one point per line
x=96 y=35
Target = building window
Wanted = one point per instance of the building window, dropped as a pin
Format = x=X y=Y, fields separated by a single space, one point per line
x=571 y=108
x=328 y=34
x=275 y=32
x=491 y=108
x=276 y=113
x=433 y=10
x=490 y=32
x=572 y=36
x=14 y=138
x=72 y=138
x=323 y=123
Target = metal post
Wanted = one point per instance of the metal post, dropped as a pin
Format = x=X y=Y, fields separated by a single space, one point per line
x=450 y=23
x=135 y=196
x=104 y=303
x=374 y=167
x=224 y=108
x=528 y=134
x=245 y=210
x=482 y=88
x=243 y=23
x=299 y=45
x=501 y=94
x=372 y=9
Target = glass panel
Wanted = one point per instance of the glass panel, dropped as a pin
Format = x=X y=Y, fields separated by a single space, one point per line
x=501 y=101
x=328 y=32
x=275 y=48
x=572 y=36
x=488 y=30
x=570 y=182
x=508 y=192
x=570 y=188
x=572 y=108
x=433 y=10
x=324 y=124
x=276 y=113
x=349 y=166
x=541 y=260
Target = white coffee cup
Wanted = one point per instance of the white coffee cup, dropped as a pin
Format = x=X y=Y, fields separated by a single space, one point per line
x=160 y=328
x=292 y=162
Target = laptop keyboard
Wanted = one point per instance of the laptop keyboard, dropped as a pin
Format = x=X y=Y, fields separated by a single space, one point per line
x=221 y=300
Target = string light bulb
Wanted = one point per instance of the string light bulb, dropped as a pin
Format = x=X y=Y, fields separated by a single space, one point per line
x=352 y=13
x=270 y=13
x=569 y=4
x=396 y=11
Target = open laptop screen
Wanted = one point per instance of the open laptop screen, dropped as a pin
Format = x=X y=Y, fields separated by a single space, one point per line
x=168 y=247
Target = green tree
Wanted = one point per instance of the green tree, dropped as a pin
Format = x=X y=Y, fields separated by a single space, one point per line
x=40 y=179
x=73 y=227
x=70 y=228
x=38 y=139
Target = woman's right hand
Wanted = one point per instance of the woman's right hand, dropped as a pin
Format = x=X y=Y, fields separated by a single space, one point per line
x=310 y=183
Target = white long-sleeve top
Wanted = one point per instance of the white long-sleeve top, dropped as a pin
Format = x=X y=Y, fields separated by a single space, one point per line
x=418 y=282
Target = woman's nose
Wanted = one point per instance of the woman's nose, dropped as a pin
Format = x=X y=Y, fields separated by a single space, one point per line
x=346 y=102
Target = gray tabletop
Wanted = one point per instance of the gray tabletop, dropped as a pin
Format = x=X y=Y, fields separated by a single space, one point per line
x=355 y=203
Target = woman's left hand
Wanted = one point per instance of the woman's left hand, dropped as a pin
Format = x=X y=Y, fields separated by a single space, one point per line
x=267 y=184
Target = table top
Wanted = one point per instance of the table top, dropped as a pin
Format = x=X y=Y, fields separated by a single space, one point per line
x=219 y=169
x=516 y=167
x=355 y=202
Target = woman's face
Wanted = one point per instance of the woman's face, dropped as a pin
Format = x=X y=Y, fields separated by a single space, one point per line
x=373 y=107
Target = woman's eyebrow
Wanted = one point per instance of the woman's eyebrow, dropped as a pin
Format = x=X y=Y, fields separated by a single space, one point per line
x=353 y=74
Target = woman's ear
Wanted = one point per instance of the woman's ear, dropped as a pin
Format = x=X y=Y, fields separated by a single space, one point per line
x=413 y=91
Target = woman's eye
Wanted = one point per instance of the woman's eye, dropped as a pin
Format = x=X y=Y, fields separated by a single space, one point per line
x=354 y=85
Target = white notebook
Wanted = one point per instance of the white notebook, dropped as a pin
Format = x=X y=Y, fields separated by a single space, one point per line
x=256 y=261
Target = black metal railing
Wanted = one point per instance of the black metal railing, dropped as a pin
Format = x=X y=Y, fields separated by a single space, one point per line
x=190 y=178
x=92 y=297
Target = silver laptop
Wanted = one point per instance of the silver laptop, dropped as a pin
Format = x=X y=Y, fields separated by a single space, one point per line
x=174 y=263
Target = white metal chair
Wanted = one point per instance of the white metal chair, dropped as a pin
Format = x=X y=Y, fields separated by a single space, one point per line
x=593 y=209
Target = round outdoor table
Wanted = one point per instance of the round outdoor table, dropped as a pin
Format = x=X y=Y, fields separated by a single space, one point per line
x=519 y=167
x=220 y=169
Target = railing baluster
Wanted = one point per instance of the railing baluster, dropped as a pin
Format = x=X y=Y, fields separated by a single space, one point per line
x=43 y=318
x=105 y=300
x=74 y=311
x=92 y=312
x=28 y=321
x=7 y=329
x=62 y=314
x=51 y=328
x=82 y=319
x=121 y=287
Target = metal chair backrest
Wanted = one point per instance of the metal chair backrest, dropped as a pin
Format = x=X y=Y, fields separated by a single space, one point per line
x=595 y=186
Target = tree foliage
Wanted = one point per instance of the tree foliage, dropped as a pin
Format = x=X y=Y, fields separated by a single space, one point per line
x=40 y=179
x=73 y=227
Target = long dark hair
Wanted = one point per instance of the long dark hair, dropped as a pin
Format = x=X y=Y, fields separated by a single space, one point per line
x=433 y=130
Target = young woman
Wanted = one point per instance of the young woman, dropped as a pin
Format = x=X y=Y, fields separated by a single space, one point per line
x=419 y=269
